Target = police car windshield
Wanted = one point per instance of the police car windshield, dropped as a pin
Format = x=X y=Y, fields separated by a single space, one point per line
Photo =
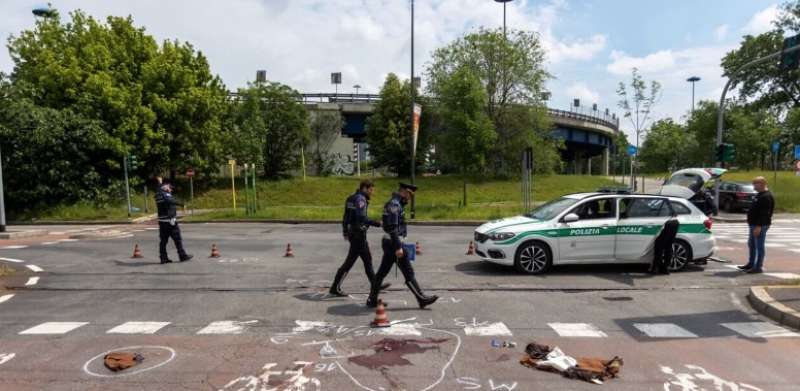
x=552 y=208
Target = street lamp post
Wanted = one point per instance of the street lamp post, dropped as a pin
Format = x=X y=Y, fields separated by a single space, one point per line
x=504 y=13
x=411 y=123
x=2 y=201
x=357 y=87
x=693 y=79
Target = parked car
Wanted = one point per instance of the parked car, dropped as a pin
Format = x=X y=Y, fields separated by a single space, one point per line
x=694 y=184
x=735 y=196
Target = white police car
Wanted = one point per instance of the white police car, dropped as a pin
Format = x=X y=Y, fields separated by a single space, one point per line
x=593 y=228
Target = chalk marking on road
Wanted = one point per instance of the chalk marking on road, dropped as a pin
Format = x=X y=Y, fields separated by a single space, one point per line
x=6 y=357
x=120 y=374
x=49 y=243
x=760 y=330
x=53 y=328
x=35 y=268
x=32 y=281
x=6 y=298
x=664 y=330
x=226 y=327
x=492 y=329
x=784 y=276
x=688 y=381
x=577 y=330
x=14 y=247
x=138 y=328
x=12 y=260
x=296 y=382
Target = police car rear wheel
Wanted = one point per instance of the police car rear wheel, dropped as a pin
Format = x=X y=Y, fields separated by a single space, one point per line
x=533 y=258
x=681 y=256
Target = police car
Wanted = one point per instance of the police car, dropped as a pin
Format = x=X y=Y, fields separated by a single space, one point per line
x=607 y=226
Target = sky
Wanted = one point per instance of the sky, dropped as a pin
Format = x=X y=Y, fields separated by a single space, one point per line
x=591 y=45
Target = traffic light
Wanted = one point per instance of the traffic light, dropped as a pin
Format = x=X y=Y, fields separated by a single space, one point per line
x=790 y=60
x=133 y=162
x=725 y=153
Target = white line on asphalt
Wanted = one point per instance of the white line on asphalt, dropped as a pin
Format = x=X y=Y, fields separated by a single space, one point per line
x=57 y=233
x=53 y=328
x=6 y=298
x=760 y=330
x=32 y=281
x=12 y=260
x=49 y=243
x=16 y=247
x=738 y=303
x=784 y=276
x=664 y=330
x=498 y=328
x=226 y=327
x=138 y=328
x=35 y=268
x=775 y=245
x=68 y=240
x=577 y=330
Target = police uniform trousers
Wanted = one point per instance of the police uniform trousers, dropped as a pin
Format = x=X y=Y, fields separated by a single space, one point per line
x=662 y=253
x=359 y=247
x=165 y=232
x=389 y=259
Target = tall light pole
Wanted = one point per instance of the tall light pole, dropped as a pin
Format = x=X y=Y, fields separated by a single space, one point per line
x=411 y=123
x=2 y=202
x=693 y=79
x=504 y=13
x=357 y=87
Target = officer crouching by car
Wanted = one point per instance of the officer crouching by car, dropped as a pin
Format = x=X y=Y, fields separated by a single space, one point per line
x=394 y=226
x=168 y=224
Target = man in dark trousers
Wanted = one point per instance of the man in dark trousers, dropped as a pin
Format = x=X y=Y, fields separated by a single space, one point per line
x=168 y=223
x=394 y=226
x=759 y=218
x=662 y=253
x=355 y=224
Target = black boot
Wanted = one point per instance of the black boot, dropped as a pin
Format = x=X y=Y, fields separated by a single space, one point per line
x=336 y=287
x=165 y=260
x=374 y=291
x=422 y=300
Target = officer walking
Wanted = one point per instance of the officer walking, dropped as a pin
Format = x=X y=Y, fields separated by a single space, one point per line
x=168 y=224
x=394 y=226
x=355 y=224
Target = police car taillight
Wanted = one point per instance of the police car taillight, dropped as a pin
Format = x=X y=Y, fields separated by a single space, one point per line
x=708 y=224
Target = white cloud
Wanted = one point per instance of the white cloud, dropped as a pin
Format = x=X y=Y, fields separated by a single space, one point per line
x=655 y=62
x=581 y=91
x=577 y=50
x=762 y=21
x=721 y=32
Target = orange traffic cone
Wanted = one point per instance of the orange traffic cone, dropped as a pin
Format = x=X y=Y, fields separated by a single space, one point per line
x=419 y=249
x=471 y=248
x=381 y=320
x=136 y=252
x=289 y=253
x=214 y=251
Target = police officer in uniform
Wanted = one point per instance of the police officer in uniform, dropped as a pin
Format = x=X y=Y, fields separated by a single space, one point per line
x=355 y=224
x=168 y=224
x=662 y=252
x=394 y=226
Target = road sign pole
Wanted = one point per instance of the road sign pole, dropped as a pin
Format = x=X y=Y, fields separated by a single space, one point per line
x=246 y=191
x=2 y=200
x=127 y=185
x=232 y=163
x=191 y=194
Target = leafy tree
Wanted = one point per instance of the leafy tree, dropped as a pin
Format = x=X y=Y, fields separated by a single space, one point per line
x=702 y=125
x=271 y=127
x=511 y=70
x=660 y=151
x=469 y=132
x=752 y=132
x=389 y=127
x=325 y=127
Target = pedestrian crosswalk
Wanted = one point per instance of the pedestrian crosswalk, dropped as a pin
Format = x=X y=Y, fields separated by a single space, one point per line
x=780 y=234
x=749 y=329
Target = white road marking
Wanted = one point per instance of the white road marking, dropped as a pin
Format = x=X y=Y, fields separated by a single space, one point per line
x=664 y=330
x=735 y=267
x=498 y=328
x=775 y=245
x=399 y=330
x=226 y=327
x=577 y=330
x=785 y=276
x=760 y=330
x=152 y=229
x=68 y=240
x=16 y=247
x=49 y=243
x=795 y=250
x=35 y=268
x=57 y=233
x=138 y=328
x=12 y=260
x=32 y=281
x=6 y=357
x=53 y=328
x=6 y=298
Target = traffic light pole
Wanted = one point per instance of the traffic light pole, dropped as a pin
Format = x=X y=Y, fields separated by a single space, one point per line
x=721 y=109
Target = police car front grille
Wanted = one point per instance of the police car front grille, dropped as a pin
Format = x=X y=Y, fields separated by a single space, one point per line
x=480 y=238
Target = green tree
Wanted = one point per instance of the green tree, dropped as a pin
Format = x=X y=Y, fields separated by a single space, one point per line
x=389 y=127
x=663 y=140
x=752 y=133
x=702 y=125
x=271 y=127
x=469 y=133
x=325 y=128
x=511 y=69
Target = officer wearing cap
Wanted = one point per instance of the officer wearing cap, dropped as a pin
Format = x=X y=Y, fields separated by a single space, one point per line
x=394 y=226
x=168 y=223
x=355 y=224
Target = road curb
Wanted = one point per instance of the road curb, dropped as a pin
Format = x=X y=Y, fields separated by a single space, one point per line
x=21 y=234
x=762 y=302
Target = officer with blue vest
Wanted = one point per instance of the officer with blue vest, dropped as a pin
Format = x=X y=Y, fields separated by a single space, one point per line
x=355 y=224
x=168 y=223
x=394 y=226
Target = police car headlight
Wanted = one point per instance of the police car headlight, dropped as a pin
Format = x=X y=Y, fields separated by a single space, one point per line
x=501 y=236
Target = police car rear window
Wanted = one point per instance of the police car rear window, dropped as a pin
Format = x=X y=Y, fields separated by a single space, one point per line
x=680 y=208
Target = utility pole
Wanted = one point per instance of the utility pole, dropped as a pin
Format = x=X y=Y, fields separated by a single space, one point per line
x=411 y=123
x=2 y=201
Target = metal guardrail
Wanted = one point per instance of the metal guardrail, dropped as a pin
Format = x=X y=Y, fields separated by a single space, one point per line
x=600 y=118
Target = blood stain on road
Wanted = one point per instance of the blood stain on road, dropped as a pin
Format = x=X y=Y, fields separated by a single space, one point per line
x=392 y=352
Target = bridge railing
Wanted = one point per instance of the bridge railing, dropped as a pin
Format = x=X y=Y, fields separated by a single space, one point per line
x=596 y=117
x=340 y=98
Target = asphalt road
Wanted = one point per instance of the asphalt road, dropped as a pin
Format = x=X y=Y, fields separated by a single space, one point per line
x=254 y=320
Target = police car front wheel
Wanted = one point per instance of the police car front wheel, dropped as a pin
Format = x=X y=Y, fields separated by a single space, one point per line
x=533 y=258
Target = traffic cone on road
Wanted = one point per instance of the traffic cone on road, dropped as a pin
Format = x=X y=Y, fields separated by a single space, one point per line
x=289 y=253
x=471 y=248
x=418 y=250
x=381 y=319
x=136 y=252
x=214 y=251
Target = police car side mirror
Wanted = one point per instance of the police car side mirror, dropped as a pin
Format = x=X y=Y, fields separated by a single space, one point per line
x=571 y=218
